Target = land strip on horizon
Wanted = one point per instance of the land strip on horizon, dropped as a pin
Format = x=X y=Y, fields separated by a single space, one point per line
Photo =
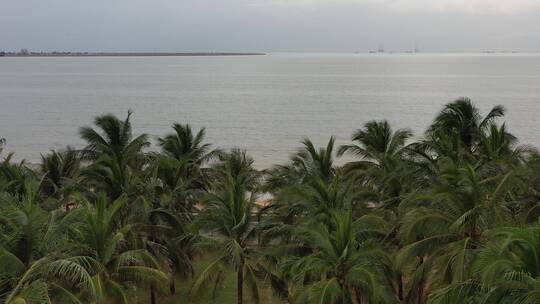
x=104 y=54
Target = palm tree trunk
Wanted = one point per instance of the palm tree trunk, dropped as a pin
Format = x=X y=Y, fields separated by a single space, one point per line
x=354 y=295
x=152 y=295
x=421 y=285
x=240 y=284
x=400 y=288
x=152 y=291
x=172 y=283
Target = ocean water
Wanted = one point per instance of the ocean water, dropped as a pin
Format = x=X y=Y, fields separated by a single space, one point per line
x=265 y=104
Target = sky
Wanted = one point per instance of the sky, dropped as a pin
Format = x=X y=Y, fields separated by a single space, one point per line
x=270 y=25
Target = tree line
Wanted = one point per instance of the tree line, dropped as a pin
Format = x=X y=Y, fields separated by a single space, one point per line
x=450 y=217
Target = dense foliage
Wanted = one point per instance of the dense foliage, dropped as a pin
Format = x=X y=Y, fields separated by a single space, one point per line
x=450 y=216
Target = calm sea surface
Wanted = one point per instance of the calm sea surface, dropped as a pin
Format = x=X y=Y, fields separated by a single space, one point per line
x=265 y=104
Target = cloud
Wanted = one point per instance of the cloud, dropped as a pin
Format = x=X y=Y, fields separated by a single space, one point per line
x=270 y=25
x=468 y=6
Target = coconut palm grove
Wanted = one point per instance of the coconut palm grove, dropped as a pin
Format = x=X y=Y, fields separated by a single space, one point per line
x=447 y=216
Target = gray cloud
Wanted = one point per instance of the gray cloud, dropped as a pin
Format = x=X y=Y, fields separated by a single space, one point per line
x=270 y=25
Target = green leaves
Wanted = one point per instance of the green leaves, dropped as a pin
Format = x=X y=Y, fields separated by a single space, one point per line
x=325 y=292
x=448 y=218
x=339 y=265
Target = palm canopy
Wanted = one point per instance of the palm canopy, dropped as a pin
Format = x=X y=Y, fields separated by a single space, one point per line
x=341 y=268
x=228 y=208
x=499 y=145
x=61 y=169
x=115 y=139
x=182 y=164
x=35 y=261
x=382 y=154
x=509 y=265
x=506 y=270
x=314 y=201
x=238 y=165
x=316 y=162
x=463 y=120
x=446 y=224
x=175 y=185
x=23 y=221
x=184 y=144
x=118 y=158
x=14 y=176
x=102 y=237
x=527 y=192
x=450 y=218
x=50 y=279
x=227 y=223
x=377 y=144
x=307 y=163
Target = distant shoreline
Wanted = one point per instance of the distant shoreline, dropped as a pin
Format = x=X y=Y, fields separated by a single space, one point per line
x=122 y=54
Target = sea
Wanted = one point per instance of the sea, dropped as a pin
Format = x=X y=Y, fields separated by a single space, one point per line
x=265 y=104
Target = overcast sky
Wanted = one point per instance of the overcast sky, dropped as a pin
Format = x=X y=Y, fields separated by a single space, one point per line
x=270 y=25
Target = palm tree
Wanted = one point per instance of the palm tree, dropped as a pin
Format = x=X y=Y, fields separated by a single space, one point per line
x=445 y=225
x=62 y=170
x=118 y=156
x=180 y=166
x=506 y=270
x=378 y=146
x=170 y=198
x=190 y=152
x=527 y=190
x=509 y=266
x=382 y=153
x=24 y=221
x=307 y=163
x=109 y=176
x=177 y=184
x=227 y=224
x=341 y=269
x=103 y=238
x=34 y=263
x=315 y=201
x=450 y=218
x=462 y=119
x=458 y=133
x=498 y=146
x=50 y=279
x=182 y=144
x=14 y=176
x=170 y=231
x=237 y=165
x=115 y=141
